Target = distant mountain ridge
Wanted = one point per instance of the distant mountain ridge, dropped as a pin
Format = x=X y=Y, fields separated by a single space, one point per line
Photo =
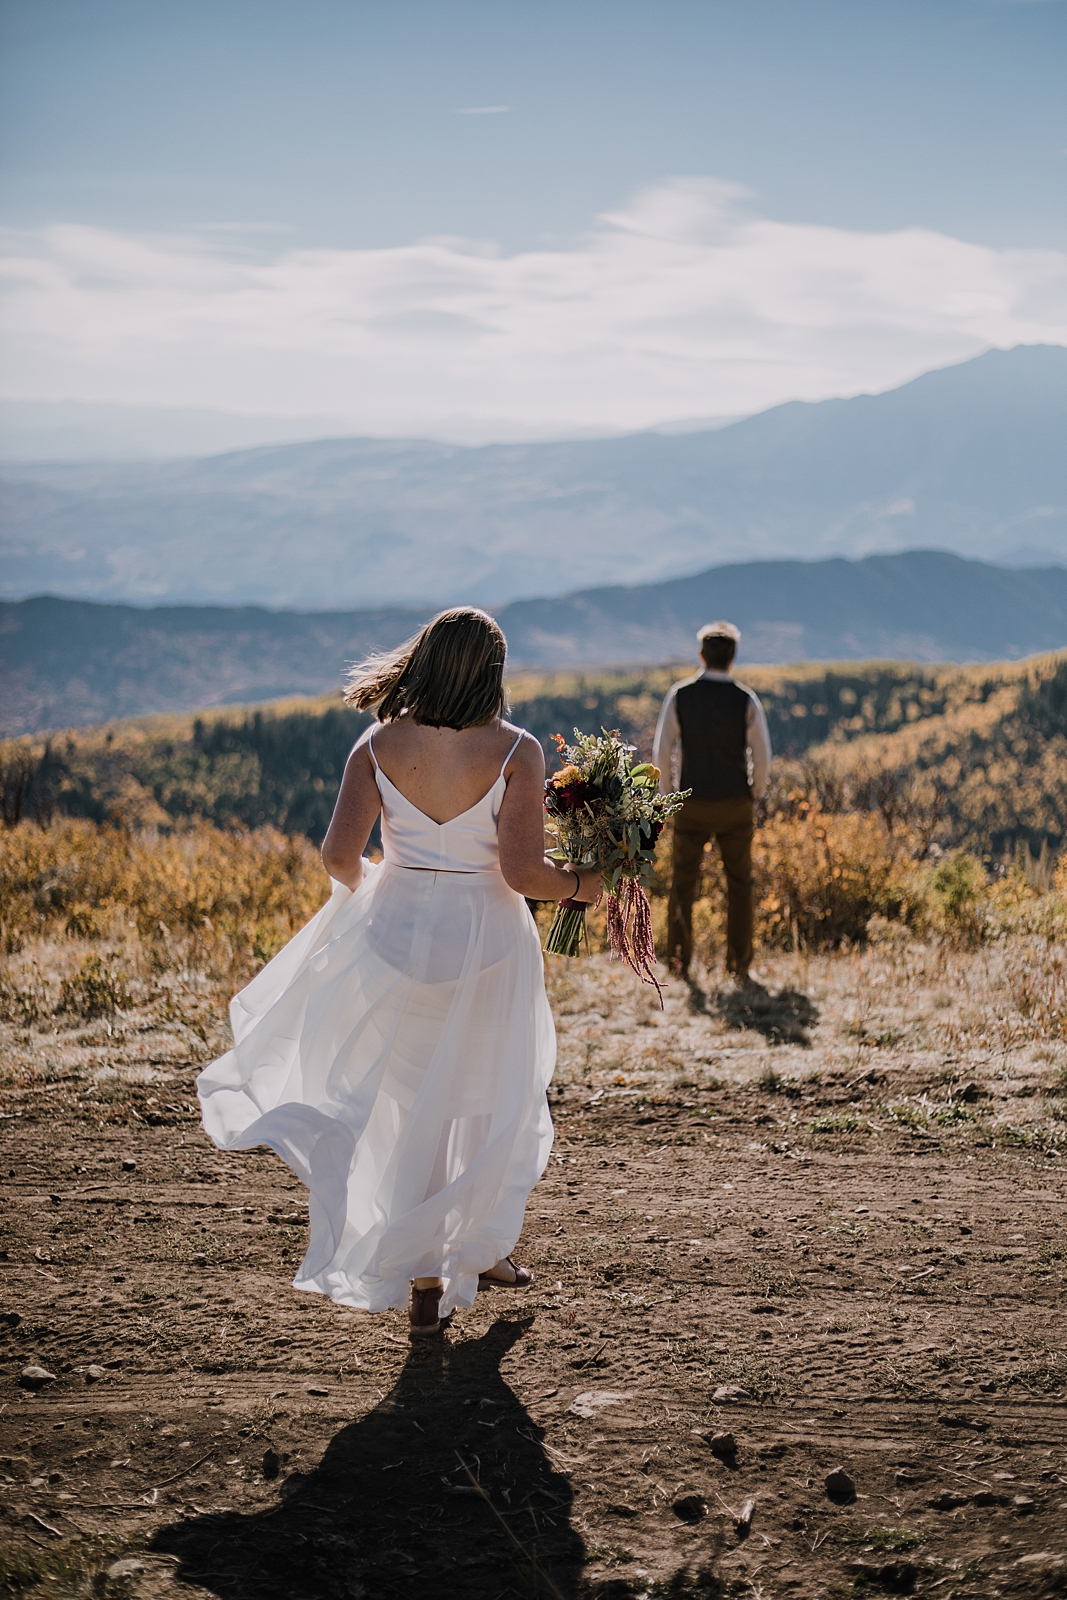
x=68 y=663
x=969 y=458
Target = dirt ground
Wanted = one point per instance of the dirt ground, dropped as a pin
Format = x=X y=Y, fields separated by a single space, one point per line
x=826 y=1222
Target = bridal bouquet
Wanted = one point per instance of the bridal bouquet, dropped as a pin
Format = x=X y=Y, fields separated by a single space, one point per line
x=606 y=811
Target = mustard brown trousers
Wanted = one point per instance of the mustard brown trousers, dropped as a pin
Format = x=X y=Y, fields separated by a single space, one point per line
x=730 y=822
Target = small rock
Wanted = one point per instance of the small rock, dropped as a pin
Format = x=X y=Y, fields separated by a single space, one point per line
x=988 y=1387
x=723 y=1445
x=1022 y=1504
x=316 y=1388
x=988 y=1497
x=200 y=1259
x=55 y=1477
x=10 y=1319
x=272 y=1464
x=956 y=1419
x=970 y=1092
x=128 y=1567
x=728 y=1392
x=964 y=1228
x=897 y=1577
x=1044 y=1561
x=839 y=1486
x=94 y=1373
x=690 y=1508
x=743 y=1520
x=17 y=1467
x=621 y=1510
x=36 y=1377
x=948 y=1500
x=128 y=1165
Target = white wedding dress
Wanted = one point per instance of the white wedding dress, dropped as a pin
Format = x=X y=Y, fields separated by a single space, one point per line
x=396 y=1054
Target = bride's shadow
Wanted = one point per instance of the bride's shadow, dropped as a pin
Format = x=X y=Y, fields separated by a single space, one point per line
x=391 y=1511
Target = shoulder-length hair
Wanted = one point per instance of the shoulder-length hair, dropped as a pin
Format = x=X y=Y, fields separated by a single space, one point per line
x=451 y=675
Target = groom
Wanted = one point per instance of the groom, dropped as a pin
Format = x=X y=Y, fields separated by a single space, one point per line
x=726 y=758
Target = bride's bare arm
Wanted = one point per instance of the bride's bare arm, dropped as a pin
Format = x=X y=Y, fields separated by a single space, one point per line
x=521 y=832
x=358 y=803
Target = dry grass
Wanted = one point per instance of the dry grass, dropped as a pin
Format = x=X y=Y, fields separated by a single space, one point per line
x=98 y=921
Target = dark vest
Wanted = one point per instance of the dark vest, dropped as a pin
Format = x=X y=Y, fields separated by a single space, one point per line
x=712 y=716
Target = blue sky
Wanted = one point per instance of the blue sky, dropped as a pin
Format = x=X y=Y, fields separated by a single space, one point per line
x=256 y=133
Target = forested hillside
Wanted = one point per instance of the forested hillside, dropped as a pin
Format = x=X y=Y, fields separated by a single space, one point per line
x=981 y=752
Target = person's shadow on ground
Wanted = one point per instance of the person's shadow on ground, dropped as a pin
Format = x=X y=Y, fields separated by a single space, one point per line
x=444 y=1488
x=782 y=1018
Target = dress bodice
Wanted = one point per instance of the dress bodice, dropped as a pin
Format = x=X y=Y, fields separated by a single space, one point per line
x=467 y=843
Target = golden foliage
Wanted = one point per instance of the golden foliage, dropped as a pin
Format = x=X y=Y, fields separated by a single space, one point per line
x=207 y=899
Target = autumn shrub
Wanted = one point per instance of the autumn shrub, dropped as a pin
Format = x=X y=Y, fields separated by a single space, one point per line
x=96 y=990
x=201 y=898
x=820 y=878
x=957 y=893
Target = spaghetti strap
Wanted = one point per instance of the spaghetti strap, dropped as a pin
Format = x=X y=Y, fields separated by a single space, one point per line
x=374 y=758
x=510 y=753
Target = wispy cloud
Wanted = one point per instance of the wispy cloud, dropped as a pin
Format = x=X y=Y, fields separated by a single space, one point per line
x=480 y=111
x=686 y=302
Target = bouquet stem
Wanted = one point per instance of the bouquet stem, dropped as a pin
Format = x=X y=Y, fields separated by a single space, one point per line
x=568 y=929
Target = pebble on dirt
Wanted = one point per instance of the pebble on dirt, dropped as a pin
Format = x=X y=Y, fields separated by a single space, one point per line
x=743 y=1520
x=36 y=1377
x=956 y=1419
x=948 y=1500
x=272 y=1463
x=723 y=1445
x=898 y=1577
x=128 y=1567
x=839 y=1486
x=94 y=1373
x=727 y=1392
x=129 y=1164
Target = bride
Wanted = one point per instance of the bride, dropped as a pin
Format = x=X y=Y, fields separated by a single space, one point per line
x=396 y=1054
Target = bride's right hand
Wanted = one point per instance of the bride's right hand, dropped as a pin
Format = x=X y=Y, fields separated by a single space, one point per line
x=591 y=884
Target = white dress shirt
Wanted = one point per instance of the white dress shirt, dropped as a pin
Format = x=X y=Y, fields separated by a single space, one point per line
x=667 y=746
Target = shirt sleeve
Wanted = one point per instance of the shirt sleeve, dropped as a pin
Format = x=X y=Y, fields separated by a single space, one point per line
x=665 y=745
x=759 y=742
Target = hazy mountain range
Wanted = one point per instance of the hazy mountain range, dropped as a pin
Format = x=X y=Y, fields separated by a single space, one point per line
x=65 y=663
x=970 y=458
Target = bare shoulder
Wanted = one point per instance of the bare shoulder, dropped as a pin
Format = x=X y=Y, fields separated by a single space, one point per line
x=527 y=755
x=362 y=744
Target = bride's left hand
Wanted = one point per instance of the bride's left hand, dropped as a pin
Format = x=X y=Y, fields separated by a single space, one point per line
x=590 y=884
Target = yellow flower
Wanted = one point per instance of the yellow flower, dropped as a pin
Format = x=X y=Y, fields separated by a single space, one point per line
x=565 y=777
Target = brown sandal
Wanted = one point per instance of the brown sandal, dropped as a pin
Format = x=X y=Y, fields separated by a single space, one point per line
x=522 y=1280
x=424 y=1311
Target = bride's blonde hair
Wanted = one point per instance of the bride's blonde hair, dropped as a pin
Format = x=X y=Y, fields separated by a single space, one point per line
x=451 y=675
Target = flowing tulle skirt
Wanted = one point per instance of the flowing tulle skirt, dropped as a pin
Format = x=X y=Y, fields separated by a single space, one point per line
x=396 y=1054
